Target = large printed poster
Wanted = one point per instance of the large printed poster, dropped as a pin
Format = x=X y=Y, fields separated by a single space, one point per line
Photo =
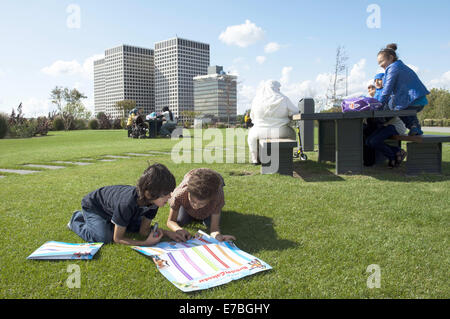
x=202 y=262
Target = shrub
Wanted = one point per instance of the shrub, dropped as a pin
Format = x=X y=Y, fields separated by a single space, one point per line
x=3 y=125
x=117 y=124
x=23 y=130
x=58 y=124
x=93 y=124
x=42 y=126
x=79 y=124
x=104 y=121
x=427 y=122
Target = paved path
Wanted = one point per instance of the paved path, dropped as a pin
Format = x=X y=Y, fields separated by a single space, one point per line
x=436 y=129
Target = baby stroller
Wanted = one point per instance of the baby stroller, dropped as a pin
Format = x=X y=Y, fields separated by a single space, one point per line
x=139 y=128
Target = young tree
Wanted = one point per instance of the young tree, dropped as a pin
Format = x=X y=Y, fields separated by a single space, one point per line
x=337 y=77
x=125 y=106
x=69 y=105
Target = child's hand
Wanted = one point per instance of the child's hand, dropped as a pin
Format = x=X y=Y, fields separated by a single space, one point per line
x=221 y=237
x=183 y=235
x=154 y=238
x=174 y=236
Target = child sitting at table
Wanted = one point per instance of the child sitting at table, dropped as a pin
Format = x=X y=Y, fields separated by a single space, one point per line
x=371 y=90
x=378 y=80
x=394 y=154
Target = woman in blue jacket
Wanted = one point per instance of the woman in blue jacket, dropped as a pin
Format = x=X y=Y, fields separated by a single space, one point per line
x=402 y=89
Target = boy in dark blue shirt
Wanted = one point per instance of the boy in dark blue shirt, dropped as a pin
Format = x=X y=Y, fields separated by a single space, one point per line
x=109 y=212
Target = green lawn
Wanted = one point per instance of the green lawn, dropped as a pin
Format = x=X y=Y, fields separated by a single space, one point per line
x=318 y=231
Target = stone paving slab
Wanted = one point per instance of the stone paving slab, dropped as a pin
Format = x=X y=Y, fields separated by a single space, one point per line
x=107 y=160
x=74 y=163
x=159 y=152
x=44 y=166
x=116 y=156
x=1 y=176
x=17 y=171
x=139 y=154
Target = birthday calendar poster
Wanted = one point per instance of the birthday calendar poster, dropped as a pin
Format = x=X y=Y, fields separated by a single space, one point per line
x=202 y=262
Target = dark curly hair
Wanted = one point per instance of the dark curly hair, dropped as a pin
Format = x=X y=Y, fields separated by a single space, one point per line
x=157 y=180
x=204 y=183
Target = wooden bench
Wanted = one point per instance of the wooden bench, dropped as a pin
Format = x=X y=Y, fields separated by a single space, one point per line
x=270 y=162
x=424 y=153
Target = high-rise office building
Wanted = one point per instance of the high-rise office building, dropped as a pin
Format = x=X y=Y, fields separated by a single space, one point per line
x=215 y=95
x=126 y=73
x=177 y=62
x=99 y=85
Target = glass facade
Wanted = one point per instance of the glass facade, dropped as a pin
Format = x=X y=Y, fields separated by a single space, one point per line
x=177 y=62
x=126 y=73
x=215 y=96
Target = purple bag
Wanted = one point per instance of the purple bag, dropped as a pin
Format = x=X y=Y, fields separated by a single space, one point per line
x=361 y=103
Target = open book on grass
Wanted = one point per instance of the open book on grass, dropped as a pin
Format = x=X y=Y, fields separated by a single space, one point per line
x=60 y=250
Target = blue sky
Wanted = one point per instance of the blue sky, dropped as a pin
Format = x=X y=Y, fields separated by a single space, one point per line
x=40 y=49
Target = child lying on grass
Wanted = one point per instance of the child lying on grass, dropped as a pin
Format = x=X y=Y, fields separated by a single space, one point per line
x=198 y=197
x=108 y=212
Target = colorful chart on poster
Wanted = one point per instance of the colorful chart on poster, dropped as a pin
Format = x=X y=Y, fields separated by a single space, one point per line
x=202 y=262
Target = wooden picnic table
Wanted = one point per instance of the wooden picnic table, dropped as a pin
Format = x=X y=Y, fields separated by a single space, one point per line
x=341 y=136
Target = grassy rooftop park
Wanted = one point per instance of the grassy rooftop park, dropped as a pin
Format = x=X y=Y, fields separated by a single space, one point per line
x=320 y=232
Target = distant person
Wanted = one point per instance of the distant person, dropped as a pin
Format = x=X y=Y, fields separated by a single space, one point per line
x=130 y=121
x=402 y=89
x=199 y=197
x=109 y=212
x=169 y=122
x=248 y=120
x=271 y=113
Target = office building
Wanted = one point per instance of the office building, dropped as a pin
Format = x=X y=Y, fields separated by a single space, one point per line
x=99 y=86
x=177 y=62
x=215 y=95
x=126 y=73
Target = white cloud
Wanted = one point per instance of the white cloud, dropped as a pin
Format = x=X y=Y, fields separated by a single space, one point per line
x=272 y=47
x=285 y=75
x=260 y=59
x=442 y=82
x=60 y=67
x=242 y=35
x=318 y=88
x=34 y=107
x=238 y=64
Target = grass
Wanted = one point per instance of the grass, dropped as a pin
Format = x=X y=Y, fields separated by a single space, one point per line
x=318 y=231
